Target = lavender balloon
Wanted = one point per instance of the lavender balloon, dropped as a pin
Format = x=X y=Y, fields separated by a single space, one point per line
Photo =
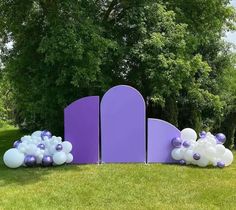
x=186 y=144
x=202 y=134
x=176 y=142
x=59 y=147
x=47 y=160
x=16 y=143
x=182 y=162
x=196 y=156
x=30 y=160
x=41 y=146
x=221 y=164
x=220 y=138
x=46 y=133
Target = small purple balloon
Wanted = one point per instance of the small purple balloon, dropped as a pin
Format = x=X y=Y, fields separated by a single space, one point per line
x=16 y=143
x=220 y=138
x=46 y=133
x=30 y=160
x=186 y=144
x=59 y=147
x=196 y=156
x=182 y=162
x=176 y=142
x=41 y=146
x=47 y=160
x=202 y=134
x=221 y=164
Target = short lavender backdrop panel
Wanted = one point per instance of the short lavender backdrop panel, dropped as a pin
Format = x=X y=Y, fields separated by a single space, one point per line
x=160 y=134
x=123 y=125
x=81 y=121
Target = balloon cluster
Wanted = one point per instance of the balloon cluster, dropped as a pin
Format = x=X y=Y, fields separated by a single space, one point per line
x=207 y=150
x=40 y=148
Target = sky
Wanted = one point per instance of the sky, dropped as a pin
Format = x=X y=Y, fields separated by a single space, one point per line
x=231 y=37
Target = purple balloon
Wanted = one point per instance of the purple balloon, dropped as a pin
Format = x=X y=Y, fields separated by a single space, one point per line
x=220 y=138
x=41 y=146
x=182 y=162
x=47 y=160
x=196 y=156
x=176 y=142
x=59 y=147
x=202 y=134
x=16 y=143
x=30 y=160
x=221 y=164
x=46 y=133
x=186 y=144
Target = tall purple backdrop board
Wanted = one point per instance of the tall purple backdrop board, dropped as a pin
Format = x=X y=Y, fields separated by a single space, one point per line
x=123 y=125
x=160 y=135
x=81 y=121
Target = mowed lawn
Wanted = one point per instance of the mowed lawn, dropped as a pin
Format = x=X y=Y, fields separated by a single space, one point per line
x=114 y=186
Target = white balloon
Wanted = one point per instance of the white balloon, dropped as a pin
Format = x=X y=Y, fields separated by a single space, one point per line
x=13 y=158
x=228 y=157
x=36 y=134
x=220 y=150
x=211 y=153
x=67 y=146
x=177 y=154
x=188 y=155
x=188 y=134
x=203 y=161
x=69 y=158
x=59 y=158
x=21 y=148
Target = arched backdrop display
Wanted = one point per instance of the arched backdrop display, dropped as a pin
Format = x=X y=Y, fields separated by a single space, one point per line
x=121 y=119
x=123 y=127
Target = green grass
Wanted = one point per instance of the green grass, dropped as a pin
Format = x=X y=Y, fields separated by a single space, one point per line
x=114 y=186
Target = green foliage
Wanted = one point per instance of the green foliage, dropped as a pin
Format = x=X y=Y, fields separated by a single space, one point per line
x=172 y=51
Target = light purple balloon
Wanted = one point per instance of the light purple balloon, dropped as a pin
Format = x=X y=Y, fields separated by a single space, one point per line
x=186 y=144
x=176 y=142
x=182 y=162
x=30 y=160
x=47 y=160
x=196 y=156
x=202 y=134
x=221 y=164
x=41 y=146
x=59 y=147
x=221 y=138
x=46 y=133
x=16 y=143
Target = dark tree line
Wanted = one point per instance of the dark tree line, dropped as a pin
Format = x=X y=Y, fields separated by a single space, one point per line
x=171 y=51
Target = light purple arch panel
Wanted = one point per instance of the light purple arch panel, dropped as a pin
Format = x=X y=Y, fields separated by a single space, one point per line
x=123 y=125
x=160 y=135
x=81 y=121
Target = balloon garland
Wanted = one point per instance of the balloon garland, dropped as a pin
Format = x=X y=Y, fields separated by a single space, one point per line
x=207 y=150
x=40 y=148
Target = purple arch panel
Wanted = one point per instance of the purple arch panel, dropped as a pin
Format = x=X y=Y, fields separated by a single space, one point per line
x=160 y=134
x=81 y=124
x=123 y=125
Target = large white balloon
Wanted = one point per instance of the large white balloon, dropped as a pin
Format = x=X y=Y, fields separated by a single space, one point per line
x=67 y=146
x=203 y=161
x=220 y=150
x=188 y=155
x=228 y=157
x=13 y=158
x=59 y=158
x=188 y=134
